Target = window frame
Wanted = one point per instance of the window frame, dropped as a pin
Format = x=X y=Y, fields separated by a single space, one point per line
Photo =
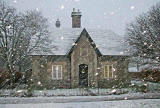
x=57 y=78
x=108 y=72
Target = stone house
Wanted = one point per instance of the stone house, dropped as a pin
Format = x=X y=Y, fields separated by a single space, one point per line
x=83 y=58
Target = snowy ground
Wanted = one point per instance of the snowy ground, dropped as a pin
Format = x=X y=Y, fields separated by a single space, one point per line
x=142 y=103
x=70 y=99
x=64 y=92
x=136 y=86
x=84 y=98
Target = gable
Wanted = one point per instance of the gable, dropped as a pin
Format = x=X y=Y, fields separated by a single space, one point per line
x=84 y=34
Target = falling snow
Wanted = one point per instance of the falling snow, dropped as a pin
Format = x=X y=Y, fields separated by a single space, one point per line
x=144 y=32
x=62 y=7
x=112 y=13
x=96 y=74
x=145 y=43
x=37 y=9
x=15 y=1
x=39 y=83
x=62 y=37
x=100 y=19
x=132 y=7
x=9 y=26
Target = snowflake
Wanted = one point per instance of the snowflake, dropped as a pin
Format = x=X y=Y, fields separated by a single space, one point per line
x=145 y=43
x=98 y=68
x=114 y=69
x=144 y=32
x=145 y=84
x=39 y=83
x=37 y=9
x=125 y=98
x=62 y=38
x=9 y=26
x=133 y=84
x=62 y=7
x=112 y=13
x=96 y=74
x=15 y=1
x=132 y=7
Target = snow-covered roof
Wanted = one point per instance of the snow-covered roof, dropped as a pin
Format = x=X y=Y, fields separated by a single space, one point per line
x=106 y=41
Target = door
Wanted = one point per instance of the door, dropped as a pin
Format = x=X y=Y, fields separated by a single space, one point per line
x=83 y=75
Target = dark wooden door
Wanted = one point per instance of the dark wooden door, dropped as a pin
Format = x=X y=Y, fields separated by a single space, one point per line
x=83 y=75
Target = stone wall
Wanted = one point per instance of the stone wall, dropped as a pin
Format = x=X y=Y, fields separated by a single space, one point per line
x=120 y=74
x=43 y=72
x=83 y=53
x=70 y=69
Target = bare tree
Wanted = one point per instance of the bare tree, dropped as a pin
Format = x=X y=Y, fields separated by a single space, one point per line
x=20 y=36
x=144 y=37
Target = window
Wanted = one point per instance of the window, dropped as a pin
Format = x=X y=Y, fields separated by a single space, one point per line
x=108 y=71
x=57 y=72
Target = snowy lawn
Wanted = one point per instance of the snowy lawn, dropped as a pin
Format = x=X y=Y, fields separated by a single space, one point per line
x=64 y=92
x=150 y=86
x=136 y=86
x=141 y=103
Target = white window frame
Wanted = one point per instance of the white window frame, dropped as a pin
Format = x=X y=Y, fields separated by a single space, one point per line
x=108 y=71
x=56 y=72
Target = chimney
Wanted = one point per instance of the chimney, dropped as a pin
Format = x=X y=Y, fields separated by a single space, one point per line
x=76 y=19
x=58 y=24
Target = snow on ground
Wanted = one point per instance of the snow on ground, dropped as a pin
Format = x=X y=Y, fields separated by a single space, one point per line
x=136 y=86
x=63 y=92
x=70 y=99
x=142 y=103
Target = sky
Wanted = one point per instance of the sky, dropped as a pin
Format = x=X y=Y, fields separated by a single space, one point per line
x=101 y=14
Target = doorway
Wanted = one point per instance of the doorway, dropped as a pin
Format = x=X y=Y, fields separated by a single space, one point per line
x=83 y=75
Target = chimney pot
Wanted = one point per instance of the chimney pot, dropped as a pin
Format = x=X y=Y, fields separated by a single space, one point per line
x=58 y=23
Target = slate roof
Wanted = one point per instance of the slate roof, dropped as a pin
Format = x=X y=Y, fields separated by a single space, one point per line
x=106 y=41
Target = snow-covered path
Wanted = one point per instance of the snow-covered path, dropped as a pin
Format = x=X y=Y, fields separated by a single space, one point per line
x=65 y=99
x=140 y=103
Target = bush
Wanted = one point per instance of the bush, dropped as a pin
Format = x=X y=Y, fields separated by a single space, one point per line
x=151 y=75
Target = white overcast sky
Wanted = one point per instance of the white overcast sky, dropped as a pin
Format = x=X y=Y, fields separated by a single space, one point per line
x=105 y=14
